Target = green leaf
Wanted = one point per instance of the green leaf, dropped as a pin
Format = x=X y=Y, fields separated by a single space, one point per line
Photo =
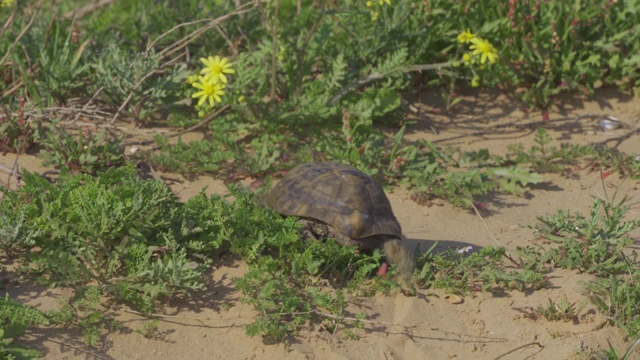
x=524 y=177
x=94 y=317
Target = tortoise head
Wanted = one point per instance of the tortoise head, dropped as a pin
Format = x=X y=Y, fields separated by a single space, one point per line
x=400 y=256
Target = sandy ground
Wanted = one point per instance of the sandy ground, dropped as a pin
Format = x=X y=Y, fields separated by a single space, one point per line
x=427 y=326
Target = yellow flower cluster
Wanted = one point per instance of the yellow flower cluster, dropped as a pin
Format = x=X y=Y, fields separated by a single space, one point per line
x=480 y=49
x=374 y=13
x=7 y=3
x=212 y=80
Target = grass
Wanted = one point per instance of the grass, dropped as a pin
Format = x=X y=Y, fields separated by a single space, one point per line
x=309 y=83
x=599 y=245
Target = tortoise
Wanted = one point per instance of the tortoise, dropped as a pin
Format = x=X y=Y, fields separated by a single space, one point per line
x=343 y=203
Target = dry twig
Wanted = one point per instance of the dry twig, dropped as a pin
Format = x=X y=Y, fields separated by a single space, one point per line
x=87 y=9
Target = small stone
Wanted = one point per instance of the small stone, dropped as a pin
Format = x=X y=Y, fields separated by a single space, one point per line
x=609 y=123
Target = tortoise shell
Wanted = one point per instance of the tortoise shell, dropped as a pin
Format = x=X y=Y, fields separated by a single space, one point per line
x=338 y=195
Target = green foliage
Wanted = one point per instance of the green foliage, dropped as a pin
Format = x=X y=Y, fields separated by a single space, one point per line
x=283 y=278
x=282 y=306
x=332 y=260
x=310 y=84
x=195 y=157
x=614 y=160
x=149 y=329
x=143 y=21
x=84 y=312
x=15 y=317
x=618 y=298
x=596 y=244
x=314 y=60
x=349 y=62
x=17 y=134
x=129 y=77
x=84 y=152
x=460 y=176
x=61 y=64
x=115 y=229
x=552 y=47
x=258 y=158
x=593 y=244
x=134 y=239
x=513 y=180
x=285 y=305
x=613 y=354
x=562 y=310
x=545 y=158
x=254 y=231
x=462 y=271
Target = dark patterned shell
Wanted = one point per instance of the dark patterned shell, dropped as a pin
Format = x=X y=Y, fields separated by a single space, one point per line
x=339 y=195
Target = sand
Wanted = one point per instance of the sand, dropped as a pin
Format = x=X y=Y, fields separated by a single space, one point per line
x=427 y=326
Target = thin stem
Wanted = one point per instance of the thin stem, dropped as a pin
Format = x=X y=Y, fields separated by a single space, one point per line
x=376 y=76
x=301 y=52
x=274 y=52
x=33 y=16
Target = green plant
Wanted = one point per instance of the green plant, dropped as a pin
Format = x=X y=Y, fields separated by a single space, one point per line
x=84 y=311
x=282 y=306
x=84 y=152
x=562 y=310
x=361 y=145
x=284 y=278
x=129 y=80
x=613 y=354
x=256 y=159
x=593 y=244
x=285 y=306
x=61 y=65
x=115 y=229
x=460 y=176
x=199 y=156
x=149 y=329
x=545 y=158
x=137 y=242
x=552 y=47
x=597 y=245
x=312 y=82
x=15 y=317
x=610 y=160
x=618 y=298
x=462 y=271
x=17 y=134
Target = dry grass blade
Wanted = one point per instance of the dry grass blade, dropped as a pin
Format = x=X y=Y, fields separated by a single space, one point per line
x=24 y=31
x=212 y=23
x=87 y=9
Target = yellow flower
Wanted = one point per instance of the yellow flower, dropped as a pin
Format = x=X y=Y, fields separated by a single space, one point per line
x=465 y=37
x=369 y=4
x=475 y=82
x=7 y=3
x=385 y=1
x=209 y=90
x=191 y=79
x=282 y=53
x=374 y=15
x=216 y=68
x=484 y=49
x=241 y=99
x=466 y=57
